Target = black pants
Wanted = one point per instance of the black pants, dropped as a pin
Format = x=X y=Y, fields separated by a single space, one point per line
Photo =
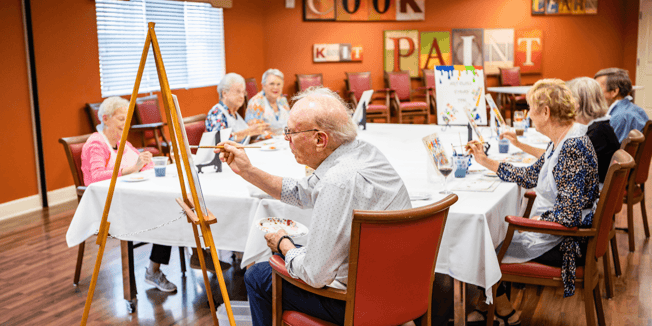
x=160 y=254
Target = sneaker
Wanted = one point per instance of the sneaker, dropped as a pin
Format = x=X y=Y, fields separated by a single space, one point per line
x=160 y=281
x=194 y=262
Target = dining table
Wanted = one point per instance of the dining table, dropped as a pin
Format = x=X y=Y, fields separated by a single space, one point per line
x=144 y=208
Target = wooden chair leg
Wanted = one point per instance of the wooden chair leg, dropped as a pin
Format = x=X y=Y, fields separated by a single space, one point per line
x=615 y=255
x=182 y=261
x=630 y=225
x=492 y=307
x=608 y=281
x=277 y=300
x=598 y=304
x=646 y=227
x=80 y=260
x=590 y=304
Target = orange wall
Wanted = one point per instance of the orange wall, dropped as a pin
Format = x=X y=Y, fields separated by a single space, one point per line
x=573 y=45
x=258 y=35
x=18 y=163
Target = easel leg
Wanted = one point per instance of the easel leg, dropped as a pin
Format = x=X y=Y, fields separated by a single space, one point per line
x=128 y=274
x=96 y=271
x=207 y=283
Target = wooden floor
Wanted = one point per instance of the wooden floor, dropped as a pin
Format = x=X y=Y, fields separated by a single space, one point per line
x=36 y=272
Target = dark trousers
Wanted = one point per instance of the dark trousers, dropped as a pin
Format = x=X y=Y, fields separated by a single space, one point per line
x=258 y=280
x=160 y=254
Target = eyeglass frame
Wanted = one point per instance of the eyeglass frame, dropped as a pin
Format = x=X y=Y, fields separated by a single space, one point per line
x=287 y=133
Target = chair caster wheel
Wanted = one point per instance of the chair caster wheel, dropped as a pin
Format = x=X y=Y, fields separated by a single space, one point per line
x=131 y=306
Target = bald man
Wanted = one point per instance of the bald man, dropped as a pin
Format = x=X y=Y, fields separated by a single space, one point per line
x=349 y=174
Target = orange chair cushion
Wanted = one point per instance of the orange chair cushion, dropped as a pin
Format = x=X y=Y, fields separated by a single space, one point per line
x=531 y=269
x=376 y=107
x=294 y=318
x=414 y=105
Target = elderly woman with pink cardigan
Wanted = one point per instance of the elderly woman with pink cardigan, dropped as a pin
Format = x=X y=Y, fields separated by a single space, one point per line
x=98 y=160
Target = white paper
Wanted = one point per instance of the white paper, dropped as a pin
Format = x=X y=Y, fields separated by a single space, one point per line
x=205 y=155
x=364 y=102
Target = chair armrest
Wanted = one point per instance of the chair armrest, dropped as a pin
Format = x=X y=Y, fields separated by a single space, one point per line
x=80 y=190
x=278 y=267
x=526 y=224
x=148 y=126
x=530 y=194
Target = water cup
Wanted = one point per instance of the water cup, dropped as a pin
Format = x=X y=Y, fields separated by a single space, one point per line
x=519 y=127
x=461 y=165
x=159 y=165
x=503 y=146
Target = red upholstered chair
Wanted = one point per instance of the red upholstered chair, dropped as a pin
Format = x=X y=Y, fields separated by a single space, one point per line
x=380 y=290
x=93 y=108
x=306 y=81
x=403 y=101
x=511 y=77
x=151 y=124
x=357 y=83
x=598 y=238
x=636 y=186
x=73 y=147
x=195 y=127
x=251 y=87
x=428 y=76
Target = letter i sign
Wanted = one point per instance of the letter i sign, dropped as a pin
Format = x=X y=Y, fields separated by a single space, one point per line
x=356 y=53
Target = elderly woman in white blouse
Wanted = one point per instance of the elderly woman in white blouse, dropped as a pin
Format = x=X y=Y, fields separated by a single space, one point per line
x=269 y=105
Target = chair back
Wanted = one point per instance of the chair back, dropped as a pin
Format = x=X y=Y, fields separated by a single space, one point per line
x=429 y=78
x=643 y=156
x=399 y=81
x=306 y=81
x=357 y=83
x=194 y=131
x=611 y=198
x=92 y=109
x=73 y=148
x=632 y=142
x=392 y=262
x=147 y=111
x=251 y=87
x=510 y=76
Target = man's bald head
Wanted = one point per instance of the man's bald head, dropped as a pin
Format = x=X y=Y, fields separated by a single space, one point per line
x=327 y=111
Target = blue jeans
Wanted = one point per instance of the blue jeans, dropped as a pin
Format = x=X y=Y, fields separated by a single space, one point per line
x=258 y=280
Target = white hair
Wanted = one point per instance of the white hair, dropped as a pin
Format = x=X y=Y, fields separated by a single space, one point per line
x=227 y=81
x=108 y=107
x=334 y=118
x=273 y=72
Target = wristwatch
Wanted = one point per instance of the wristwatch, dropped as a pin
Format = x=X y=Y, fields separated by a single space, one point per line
x=278 y=246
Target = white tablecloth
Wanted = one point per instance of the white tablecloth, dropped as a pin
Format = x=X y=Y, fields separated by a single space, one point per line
x=474 y=228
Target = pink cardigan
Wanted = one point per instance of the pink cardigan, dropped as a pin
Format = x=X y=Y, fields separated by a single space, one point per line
x=95 y=159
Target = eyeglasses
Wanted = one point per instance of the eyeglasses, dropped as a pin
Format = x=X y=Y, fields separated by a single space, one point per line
x=287 y=132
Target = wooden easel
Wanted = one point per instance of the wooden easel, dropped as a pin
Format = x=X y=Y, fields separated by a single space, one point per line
x=199 y=217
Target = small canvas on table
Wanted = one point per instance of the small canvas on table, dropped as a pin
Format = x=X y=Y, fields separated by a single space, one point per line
x=205 y=155
x=358 y=115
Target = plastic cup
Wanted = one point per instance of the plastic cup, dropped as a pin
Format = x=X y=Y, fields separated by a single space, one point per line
x=519 y=128
x=460 y=165
x=159 y=165
x=503 y=146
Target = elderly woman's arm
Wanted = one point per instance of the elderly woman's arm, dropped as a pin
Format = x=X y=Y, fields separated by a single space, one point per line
x=576 y=176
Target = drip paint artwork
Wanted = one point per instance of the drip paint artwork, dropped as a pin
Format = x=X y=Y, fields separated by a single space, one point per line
x=460 y=88
x=435 y=150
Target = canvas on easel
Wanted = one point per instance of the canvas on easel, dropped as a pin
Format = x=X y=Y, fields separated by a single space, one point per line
x=460 y=88
x=191 y=195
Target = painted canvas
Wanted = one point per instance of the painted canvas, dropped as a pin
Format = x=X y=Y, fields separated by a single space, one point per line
x=578 y=7
x=382 y=10
x=400 y=51
x=591 y=7
x=564 y=6
x=538 y=7
x=552 y=7
x=460 y=89
x=352 y=10
x=528 y=51
x=467 y=47
x=435 y=50
x=498 y=50
x=319 y=10
x=410 y=9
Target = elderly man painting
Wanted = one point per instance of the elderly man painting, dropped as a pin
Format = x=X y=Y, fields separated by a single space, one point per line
x=349 y=174
x=625 y=115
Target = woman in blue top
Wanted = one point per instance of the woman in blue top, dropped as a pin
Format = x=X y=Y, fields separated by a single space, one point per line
x=225 y=113
x=565 y=179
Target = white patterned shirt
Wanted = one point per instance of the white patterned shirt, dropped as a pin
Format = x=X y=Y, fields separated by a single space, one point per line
x=355 y=176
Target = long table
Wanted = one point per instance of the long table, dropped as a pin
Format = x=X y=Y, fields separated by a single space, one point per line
x=146 y=211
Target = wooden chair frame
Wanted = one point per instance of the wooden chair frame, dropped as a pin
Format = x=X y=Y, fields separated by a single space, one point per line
x=380 y=94
x=280 y=274
x=418 y=92
x=162 y=144
x=431 y=90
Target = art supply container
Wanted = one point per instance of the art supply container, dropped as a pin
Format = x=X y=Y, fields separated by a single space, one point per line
x=503 y=146
x=160 y=163
x=461 y=165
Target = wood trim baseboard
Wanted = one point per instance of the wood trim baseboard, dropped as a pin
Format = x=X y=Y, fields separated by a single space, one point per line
x=33 y=203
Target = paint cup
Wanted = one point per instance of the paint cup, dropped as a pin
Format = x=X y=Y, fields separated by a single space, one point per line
x=461 y=165
x=503 y=146
x=160 y=163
